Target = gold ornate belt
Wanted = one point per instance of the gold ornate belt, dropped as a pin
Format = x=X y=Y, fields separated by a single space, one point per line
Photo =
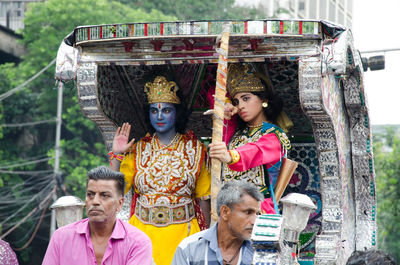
x=164 y=215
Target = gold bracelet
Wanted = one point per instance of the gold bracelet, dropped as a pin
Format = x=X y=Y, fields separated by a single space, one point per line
x=235 y=156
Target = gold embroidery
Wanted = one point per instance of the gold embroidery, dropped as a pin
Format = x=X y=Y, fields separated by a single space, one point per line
x=283 y=139
x=164 y=215
x=167 y=176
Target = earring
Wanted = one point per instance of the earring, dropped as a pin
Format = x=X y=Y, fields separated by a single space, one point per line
x=265 y=104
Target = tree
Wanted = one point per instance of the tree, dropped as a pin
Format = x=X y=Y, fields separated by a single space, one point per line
x=198 y=10
x=387 y=169
x=46 y=24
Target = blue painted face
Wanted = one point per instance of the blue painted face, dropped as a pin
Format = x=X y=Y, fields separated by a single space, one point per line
x=162 y=117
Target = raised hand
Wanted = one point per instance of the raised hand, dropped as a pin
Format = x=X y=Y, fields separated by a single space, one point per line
x=121 y=138
x=229 y=111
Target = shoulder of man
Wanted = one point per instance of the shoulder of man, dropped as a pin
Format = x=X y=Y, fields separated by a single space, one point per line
x=248 y=253
x=194 y=239
x=76 y=226
x=193 y=242
x=66 y=234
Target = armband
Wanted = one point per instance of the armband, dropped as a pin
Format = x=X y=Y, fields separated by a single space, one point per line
x=235 y=156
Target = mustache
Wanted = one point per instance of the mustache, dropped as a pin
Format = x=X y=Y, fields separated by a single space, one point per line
x=94 y=208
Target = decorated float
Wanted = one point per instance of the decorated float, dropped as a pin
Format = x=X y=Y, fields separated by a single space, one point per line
x=315 y=69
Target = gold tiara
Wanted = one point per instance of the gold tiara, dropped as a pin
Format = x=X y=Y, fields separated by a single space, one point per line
x=160 y=90
x=242 y=79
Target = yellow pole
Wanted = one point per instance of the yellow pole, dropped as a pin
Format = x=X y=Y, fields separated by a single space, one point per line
x=218 y=121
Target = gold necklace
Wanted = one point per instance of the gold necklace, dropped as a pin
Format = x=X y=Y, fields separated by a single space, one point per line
x=255 y=126
x=172 y=143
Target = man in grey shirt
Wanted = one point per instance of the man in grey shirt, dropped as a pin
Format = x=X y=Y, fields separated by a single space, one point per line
x=228 y=241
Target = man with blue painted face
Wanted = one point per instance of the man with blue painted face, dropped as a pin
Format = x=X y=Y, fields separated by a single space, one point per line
x=168 y=172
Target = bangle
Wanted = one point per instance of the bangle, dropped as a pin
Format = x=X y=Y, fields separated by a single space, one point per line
x=235 y=156
x=116 y=156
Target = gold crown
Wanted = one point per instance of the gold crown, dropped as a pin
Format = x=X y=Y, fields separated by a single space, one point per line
x=160 y=90
x=242 y=79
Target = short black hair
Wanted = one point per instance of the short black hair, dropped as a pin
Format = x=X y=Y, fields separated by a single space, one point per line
x=104 y=173
x=370 y=257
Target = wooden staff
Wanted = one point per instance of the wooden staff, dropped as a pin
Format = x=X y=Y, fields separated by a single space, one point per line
x=218 y=117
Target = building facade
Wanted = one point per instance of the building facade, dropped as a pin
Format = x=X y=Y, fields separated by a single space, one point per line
x=337 y=11
x=12 y=13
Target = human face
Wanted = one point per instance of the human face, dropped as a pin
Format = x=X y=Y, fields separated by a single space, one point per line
x=162 y=117
x=103 y=201
x=249 y=108
x=242 y=216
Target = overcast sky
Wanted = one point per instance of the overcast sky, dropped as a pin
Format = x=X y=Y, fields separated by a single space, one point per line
x=375 y=26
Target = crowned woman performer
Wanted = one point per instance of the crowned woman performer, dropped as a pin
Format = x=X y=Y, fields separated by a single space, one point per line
x=168 y=171
x=255 y=151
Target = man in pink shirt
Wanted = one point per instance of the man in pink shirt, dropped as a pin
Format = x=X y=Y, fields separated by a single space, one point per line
x=100 y=239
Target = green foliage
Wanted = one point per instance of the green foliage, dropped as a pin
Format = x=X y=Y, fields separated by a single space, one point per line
x=197 y=10
x=387 y=168
x=50 y=21
x=46 y=25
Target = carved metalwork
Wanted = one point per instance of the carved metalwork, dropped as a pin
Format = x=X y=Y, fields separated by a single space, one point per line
x=323 y=94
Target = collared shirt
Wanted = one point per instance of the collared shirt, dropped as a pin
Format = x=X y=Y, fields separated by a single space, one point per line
x=72 y=244
x=202 y=248
x=7 y=255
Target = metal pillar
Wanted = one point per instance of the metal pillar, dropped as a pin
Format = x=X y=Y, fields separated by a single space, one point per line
x=57 y=152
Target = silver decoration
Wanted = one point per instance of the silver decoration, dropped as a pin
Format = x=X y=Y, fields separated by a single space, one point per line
x=125 y=212
x=330 y=104
x=87 y=91
x=266 y=239
x=342 y=140
x=326 y=247
x=66 y=63
x=362 y=153
x=263 y=257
